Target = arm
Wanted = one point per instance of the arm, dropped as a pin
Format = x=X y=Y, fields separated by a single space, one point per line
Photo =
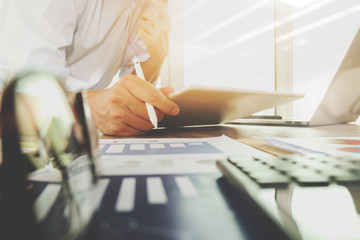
x=153 y=29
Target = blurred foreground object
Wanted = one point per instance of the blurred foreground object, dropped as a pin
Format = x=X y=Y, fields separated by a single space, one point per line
x=49 y=173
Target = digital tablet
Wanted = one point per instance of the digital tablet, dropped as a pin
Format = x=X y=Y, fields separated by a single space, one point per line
x=204 y=105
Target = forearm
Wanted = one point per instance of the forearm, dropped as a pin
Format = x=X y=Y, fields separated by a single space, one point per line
x=151 y=69
x=153 y=29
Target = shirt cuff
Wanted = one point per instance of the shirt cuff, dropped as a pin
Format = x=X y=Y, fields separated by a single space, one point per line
x=135 y=48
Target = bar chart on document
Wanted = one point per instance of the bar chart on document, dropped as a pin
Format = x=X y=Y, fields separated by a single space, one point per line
x=164 y=178
x=167 y=155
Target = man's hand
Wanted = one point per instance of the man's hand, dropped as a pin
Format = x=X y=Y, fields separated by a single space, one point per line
x=120 y=110
x=153 y=29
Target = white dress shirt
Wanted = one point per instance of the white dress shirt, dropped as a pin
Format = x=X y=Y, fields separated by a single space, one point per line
x=88 y=40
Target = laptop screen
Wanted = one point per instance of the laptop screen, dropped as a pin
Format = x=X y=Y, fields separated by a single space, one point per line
x=341 y=102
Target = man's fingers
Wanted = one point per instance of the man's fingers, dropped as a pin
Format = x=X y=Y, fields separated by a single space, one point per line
x=143 y=35
x=157 y=16
x=134 y=105
x=126 y=130
x=123 y=116
x=146 y=27
x=167 y=90
x=146 y=92
x=137 y=108
x=150 y=16
x=160 y=7
x=140 y=124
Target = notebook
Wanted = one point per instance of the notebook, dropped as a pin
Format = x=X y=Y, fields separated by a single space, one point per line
x=309 y=197
x=341 y=102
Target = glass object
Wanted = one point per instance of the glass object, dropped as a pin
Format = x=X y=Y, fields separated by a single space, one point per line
x=49 y=171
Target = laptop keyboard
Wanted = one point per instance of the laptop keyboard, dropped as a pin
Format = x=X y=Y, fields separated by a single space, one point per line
x=303 y=170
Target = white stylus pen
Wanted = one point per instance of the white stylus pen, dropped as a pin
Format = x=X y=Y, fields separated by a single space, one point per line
x=149 y=107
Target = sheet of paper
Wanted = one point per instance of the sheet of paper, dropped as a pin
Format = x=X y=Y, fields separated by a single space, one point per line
x=168 y=155
x=324 y=145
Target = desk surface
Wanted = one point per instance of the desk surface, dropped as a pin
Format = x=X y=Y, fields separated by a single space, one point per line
x=250 y=131
x=218 y=212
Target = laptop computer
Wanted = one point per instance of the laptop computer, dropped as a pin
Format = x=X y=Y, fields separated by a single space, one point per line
x=341 y=102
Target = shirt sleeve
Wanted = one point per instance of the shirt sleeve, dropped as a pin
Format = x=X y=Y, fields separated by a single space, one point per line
x=135 y=48
x=36 y=33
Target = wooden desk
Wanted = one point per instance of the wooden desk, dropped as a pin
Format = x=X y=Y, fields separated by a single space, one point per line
x=250 y=131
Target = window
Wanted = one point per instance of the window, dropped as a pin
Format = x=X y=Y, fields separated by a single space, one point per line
x=225 y=43
x=275 y=45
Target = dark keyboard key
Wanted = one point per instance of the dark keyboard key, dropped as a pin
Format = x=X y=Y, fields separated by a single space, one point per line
x=270 y=179
x=288 y=168
x=241 y=159
x=348 y=180
x=311 y=179
x=255 y=168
